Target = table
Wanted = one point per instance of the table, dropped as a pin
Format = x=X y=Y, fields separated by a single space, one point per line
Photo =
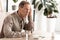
x=23 y=38
x=47 y=37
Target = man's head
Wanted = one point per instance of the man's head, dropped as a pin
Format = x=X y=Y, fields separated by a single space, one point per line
x=24 y=9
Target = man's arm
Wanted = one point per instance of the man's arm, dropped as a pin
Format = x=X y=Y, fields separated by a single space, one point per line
x=30 y=24
x=7 y=28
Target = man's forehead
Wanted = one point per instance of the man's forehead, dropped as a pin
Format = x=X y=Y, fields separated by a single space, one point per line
x=27 y=5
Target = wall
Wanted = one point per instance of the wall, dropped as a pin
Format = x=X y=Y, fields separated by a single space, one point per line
x=2 y=12
x=58 y=19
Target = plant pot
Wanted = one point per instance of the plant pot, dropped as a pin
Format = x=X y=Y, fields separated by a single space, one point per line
x=51 y=22
x=13 y=7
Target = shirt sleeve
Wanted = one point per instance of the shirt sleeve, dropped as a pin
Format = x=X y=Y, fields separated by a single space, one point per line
x=7 y=28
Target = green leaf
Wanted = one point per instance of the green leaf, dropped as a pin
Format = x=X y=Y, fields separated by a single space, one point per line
x=40 y=6
x=45 y=12
x=52 y=5
x=51 y=0
x=15 y=1
x=36 y=4
x=56 y=11
x=33 y=2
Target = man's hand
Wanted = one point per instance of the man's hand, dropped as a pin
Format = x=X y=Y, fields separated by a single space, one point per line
x=28 y=26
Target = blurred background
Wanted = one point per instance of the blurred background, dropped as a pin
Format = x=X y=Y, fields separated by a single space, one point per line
x=43 y=26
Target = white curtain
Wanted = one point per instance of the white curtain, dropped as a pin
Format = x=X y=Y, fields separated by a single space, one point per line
x=0 y=6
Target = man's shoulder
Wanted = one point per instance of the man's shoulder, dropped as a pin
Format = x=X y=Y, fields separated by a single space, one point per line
x=11 y=15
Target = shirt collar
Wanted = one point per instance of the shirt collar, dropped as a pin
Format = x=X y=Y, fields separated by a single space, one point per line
x=18 y=16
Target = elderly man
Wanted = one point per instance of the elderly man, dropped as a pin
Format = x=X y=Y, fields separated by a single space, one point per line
x=15 y=22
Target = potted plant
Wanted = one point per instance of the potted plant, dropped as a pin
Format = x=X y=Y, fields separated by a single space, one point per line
x=14 y=6
x=49 y=7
